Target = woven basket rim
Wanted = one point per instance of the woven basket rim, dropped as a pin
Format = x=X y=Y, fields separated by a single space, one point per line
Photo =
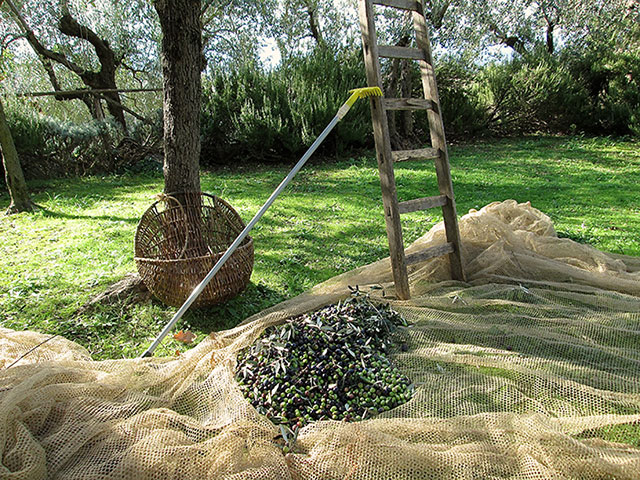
x=247 y=243
x=248 y=240
x=202 y=194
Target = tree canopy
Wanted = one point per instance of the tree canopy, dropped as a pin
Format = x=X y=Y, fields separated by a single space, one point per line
x=71 y=44
x=271 y=66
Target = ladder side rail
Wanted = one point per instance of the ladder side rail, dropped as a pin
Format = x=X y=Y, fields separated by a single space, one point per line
x=438 y=141
x=383 y=152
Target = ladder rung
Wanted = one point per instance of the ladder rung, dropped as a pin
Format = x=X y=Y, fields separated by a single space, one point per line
x=422 y=204
x=420 y=154
x=409 y=104
x=432 y=252
x=391 y=51
x=402 y=4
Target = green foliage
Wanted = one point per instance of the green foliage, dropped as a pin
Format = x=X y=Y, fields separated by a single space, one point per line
x=274 y=115
x=474 y=28
x=532 y=96
x=51 y=148
x=300 y=26
x=250 y=113
x=612 y=81
x=463 y=112
x=594 y=91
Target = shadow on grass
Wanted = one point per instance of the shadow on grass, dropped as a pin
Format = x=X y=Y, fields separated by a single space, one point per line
x=54 y=214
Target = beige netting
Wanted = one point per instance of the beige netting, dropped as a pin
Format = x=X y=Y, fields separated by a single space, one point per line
x=529 y=371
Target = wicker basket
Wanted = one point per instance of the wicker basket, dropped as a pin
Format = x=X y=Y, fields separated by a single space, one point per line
x=178 y=241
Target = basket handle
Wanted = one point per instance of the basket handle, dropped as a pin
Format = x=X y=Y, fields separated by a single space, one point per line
x=163 y=197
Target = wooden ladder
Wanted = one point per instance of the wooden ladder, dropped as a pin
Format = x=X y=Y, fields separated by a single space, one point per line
x=386 y=157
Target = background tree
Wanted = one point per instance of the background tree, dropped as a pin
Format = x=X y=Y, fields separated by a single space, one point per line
x=503 y=67
x=300 y=26
x=234 y=31
x=75 y=41
x=527 y=26
x=20 y=200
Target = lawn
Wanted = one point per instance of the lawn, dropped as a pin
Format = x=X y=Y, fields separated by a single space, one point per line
x=327 y=222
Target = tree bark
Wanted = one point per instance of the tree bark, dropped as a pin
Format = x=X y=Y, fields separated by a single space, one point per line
x=400 y=123
x=510 y=41
x=20 y=200
x=552 y=21
x=392 y=91
x=130 y=289
x=406 y=90
x=181 y=54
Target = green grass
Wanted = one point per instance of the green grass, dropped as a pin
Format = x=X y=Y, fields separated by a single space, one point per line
x=327 y=222
x=626 y=433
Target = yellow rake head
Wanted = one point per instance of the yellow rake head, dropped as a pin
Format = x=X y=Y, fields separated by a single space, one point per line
x=367 y=92
x=357 y=93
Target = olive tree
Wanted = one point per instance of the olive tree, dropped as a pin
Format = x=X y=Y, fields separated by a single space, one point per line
x=528 y=26
x=20 y=200
x=80 y=43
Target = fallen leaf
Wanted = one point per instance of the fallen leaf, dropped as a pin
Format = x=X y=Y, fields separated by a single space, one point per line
x=185 y=336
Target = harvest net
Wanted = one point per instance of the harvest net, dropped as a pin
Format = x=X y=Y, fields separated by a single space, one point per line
x=531 y=370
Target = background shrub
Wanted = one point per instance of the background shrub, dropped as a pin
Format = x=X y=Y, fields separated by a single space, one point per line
x=464 y=111
x=275 y=115
x=52 y=148
x=251 y=114
x=535 y=96
x=611 y=80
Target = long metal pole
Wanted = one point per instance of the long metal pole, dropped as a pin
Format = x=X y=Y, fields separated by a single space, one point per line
x=236 y=243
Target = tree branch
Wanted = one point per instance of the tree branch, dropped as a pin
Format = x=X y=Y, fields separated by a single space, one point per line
x=551 y=24
x=512 y=41
x=8 y=40
x=312 y=11
x=88 y=91
x=208 y=3
x=41 y=49
x=134 y=72
x=126 y=109
x=437 y=13
x=70 y=26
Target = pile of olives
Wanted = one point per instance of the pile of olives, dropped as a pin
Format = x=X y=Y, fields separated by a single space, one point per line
x=327 y=365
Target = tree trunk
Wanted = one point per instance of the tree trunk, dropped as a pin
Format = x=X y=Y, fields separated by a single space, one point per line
x=406 y=90
x=399 y=85
x=550 y=40
x=130 y=289
x=393 y=91
x=20 y=200
x=105 y=78
x=181 y=55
